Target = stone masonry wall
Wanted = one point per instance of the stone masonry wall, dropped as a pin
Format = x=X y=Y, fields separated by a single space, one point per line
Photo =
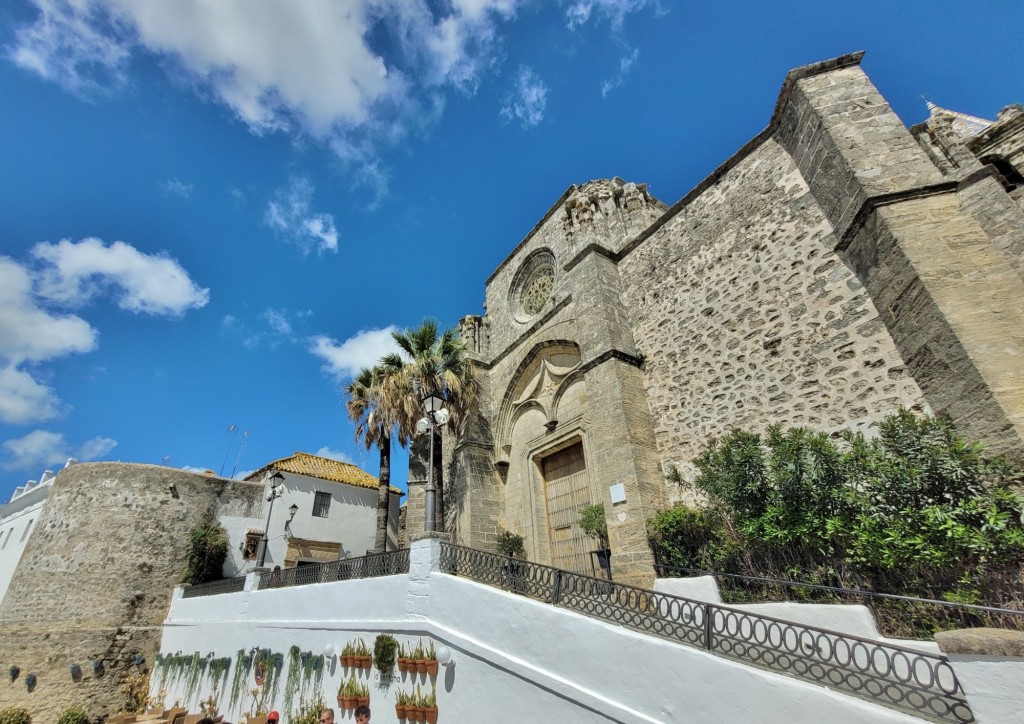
x=746 y=318
x=96 y=579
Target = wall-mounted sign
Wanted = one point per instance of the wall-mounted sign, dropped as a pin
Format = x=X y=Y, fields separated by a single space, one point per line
x=618 y=492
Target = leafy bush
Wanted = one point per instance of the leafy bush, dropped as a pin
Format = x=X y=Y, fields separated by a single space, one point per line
x=309 y=711
x=510 y=544
x=207 y=550
x=15 y=715
x=915 y=510
x=74 y=715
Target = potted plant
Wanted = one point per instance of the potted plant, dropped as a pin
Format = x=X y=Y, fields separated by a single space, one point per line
x=362 y=695
x=512 y=546
x=593 y=523
x=403 y=657
x=430 y=705
x=385 y=649
x=351 y=696
x=418 y=660
x=346 y=655
x=400 y=701
x=364 y=659
x=419 y=714
x=430 y=655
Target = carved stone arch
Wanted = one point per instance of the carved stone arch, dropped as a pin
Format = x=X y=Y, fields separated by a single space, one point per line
x=536 y=382
x=572 y=381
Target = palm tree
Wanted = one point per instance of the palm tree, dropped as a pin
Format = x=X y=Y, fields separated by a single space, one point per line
x=372 y=405
x=429 y=363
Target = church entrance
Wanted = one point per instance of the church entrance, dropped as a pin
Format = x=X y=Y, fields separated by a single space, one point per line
x=567 y=488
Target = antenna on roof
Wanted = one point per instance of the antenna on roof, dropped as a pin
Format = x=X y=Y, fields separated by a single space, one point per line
x=233 y=429
x=245 y=436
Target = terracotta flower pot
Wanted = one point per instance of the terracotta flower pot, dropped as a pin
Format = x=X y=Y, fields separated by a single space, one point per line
x=341 y=702
x=421 y=666
x=400 y=711
x=367 y=662
x=348 y=702
x=403 y=662
x=431 y=667
x=363 y=701
x=418 y=713
x=430 y=714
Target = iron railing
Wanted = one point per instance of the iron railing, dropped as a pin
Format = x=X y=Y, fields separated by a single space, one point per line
x=228 y=585
x=368 y=566
x=965 y=615
x=916 y=682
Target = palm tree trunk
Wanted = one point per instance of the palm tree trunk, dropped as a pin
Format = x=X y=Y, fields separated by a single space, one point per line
x=380 y=542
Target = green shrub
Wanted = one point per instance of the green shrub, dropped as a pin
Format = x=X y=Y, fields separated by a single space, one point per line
x=15 y=715
x=385 y=653
x=510 y=544
x=207 y=550
x=309 y=711
x=74 y=715
x=916 y=510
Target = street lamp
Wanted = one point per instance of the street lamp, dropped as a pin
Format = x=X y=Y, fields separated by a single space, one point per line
x=275 y=492
x=436 y=415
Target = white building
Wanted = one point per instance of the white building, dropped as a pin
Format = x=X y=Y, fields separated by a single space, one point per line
x=17 y=519
x=335 y=515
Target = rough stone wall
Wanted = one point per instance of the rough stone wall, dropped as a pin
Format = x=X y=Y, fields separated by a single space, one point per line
x=97 y=575
x=746 y=318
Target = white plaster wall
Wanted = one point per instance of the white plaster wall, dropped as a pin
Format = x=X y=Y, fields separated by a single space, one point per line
x=16 y=517
x=994 y=686
x=697 y=588
x=351 y=521
x=515 y=659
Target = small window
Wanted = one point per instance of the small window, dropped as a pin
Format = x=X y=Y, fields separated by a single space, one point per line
x=8 y=538
x=321 y=504
x=27 y=529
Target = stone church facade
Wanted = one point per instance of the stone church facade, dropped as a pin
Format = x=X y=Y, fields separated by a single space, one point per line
x=836 y=267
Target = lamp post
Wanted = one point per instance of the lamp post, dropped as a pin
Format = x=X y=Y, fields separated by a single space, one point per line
x=436 y=415
x=275 y=493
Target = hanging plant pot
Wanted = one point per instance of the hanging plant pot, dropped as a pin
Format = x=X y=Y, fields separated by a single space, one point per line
x=260 y=672
x=430 y=714
x=366 y=661
x=432 y=667
x=362 y=701
x=421 y=666
x=403 y=663
x=400 y=709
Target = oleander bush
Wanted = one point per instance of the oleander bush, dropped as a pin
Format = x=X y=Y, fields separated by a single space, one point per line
x=916 y=510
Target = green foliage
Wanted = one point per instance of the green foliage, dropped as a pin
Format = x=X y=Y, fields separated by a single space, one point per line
x=593 y=523
x=510 y=544
x=207 y=550
x=74 y=715
x=15 y=715
x=308 y=711
x=243 y=664
x=915 y=510
x=385 y=651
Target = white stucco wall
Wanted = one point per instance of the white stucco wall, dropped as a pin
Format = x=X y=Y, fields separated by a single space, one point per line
x=994 y=686
x=17 y=521
x=351 y=521
x=514 y=659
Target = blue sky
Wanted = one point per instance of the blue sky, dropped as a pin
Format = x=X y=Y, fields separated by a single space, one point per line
x=211 y=213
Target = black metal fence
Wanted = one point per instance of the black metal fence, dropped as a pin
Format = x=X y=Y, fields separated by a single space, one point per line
x=897 y=615
x=368 y=566
x=228 y=585
x=916 y=682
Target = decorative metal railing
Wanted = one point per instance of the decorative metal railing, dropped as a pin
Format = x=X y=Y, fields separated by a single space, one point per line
x=916 y=682
x=228 y=585
x=368 y=566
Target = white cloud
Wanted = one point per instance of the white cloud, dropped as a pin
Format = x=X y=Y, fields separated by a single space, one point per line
x=625 y=64
x=32 y=332
x=178 y=188
x=149 y=283
x=326 y=452
x=23 y=400
x=277 y=319
x=40 y=449
x=363 y=350
x=359 y=70
x=289 y=214
x=527 y=100
x=614 y=12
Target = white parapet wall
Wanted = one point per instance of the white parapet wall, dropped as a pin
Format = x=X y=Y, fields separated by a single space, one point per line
x=513 y=659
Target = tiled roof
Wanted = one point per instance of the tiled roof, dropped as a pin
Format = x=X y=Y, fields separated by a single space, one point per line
x=315 y=466
x=964 y=125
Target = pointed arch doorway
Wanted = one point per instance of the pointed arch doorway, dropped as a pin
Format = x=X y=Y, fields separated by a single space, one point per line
x=567 y=492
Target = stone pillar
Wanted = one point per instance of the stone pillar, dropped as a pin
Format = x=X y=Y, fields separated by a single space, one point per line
x=948 y=294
